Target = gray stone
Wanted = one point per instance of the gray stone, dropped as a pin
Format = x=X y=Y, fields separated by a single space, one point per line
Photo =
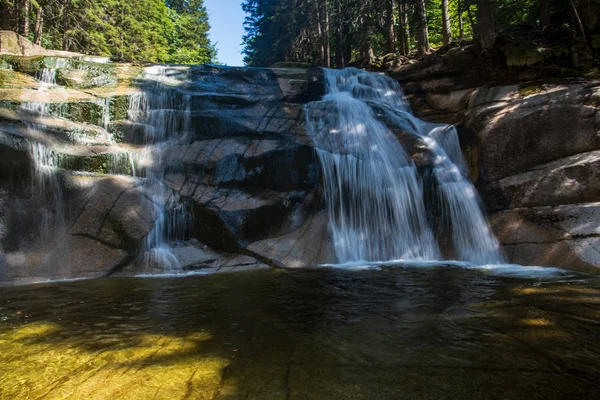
x=565 y=236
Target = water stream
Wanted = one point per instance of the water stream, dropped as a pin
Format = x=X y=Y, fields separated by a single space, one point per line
x=165 y=118
x=374 y=193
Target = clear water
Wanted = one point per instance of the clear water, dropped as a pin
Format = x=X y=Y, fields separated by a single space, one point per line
x=395 y=333
x=374 y=195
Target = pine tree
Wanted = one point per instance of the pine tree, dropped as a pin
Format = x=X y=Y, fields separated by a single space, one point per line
x=166 y=31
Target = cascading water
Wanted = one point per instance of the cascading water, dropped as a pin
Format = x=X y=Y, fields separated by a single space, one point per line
x=165 y=118
x=372 y=189
x=47 y=190
x=47 y=78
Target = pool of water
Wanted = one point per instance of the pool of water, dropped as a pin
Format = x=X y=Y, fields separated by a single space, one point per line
x=391 y=333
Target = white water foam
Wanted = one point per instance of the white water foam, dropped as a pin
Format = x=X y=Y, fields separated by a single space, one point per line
x=512 y=270
x=374 y=195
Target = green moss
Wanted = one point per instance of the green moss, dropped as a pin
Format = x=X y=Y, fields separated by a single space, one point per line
x=530 y=90
x=13 y=79
x=80 y=111
x=119 y=107
x=9 y=104
x=521 y=56
x=107 y=163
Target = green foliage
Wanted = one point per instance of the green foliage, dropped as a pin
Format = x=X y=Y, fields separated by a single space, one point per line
x=295 y=30
x=162 y=31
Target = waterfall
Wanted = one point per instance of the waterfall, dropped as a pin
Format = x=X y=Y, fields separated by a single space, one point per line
x=47 y=190
x=47 y=78
x=165 y=118
x=373 y=192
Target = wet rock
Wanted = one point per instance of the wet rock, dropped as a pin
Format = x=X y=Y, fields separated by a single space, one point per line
x=566 y=236
x=242 y=166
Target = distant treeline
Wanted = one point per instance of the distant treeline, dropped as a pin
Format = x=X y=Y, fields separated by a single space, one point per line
x=338 y=32
x=162 y=31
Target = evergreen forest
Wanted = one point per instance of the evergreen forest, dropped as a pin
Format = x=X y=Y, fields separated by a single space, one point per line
x=338 y=33
x=161 y=31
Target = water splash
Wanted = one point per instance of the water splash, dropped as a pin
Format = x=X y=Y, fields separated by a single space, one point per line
x=373 y=193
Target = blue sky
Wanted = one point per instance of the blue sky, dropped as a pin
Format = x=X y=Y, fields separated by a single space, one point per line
x=226 y=18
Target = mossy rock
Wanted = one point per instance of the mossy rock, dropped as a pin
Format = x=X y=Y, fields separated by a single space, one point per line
x=70 y=72
x=127 y=73
x=4 y=64
x=119 y=107
x=81 y=111
x=84 y=79
x=530 y=90
x=13 y=79
x=106 y=163
x=523 y=56
x=10 y=104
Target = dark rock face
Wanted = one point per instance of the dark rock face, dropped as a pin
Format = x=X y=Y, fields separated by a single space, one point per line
x=533 y=151
x=239 y=162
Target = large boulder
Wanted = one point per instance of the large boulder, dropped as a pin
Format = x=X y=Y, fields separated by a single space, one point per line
x=533 y=150
x=566 y=236
x=531 y=128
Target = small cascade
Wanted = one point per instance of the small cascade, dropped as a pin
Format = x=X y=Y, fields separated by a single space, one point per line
x=48 y=195
x=165 y=118
x=105 y=104
x=373 y=192
x=39 y=108
x=47 y=78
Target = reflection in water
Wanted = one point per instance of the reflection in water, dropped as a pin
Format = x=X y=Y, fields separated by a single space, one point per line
x=309 y=334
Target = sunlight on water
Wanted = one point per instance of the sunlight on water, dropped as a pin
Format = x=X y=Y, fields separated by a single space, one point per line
x=422 y=333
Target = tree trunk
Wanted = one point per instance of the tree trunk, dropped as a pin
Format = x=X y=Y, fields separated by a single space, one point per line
x=577 y=20
x=485 y=32
x=66 y=10
x=6 y=16
x=326 y=40
x=589 y=14
x=17 y=22
x=404 y=27
x=389 y=27
x=446 y=23
x=340 y=62
x=25 y=17
x=366 y=49
x=320 y=34
x=39 y=26
x=422 y=30
x=347 y=45
x=544 y=13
